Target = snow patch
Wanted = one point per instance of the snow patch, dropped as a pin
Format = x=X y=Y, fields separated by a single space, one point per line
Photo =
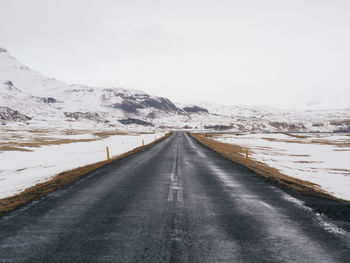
x=320 y=159
x=20 y=170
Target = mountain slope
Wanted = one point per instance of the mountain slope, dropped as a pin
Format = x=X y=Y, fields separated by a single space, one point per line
x=29 y=92
x=48 y=102
x=24 y=78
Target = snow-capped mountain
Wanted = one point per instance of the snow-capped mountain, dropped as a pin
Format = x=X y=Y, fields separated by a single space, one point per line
x=33 y=94
x=24 y=78
x=28 y=96
x=263 y=118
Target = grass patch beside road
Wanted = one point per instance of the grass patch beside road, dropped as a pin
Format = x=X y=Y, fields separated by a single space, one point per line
x=12 y=148
x=12 y=141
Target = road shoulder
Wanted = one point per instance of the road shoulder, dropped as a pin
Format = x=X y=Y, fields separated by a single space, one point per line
x=63 y=179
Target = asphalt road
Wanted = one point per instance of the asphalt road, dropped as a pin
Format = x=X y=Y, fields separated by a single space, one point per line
x=176 y=201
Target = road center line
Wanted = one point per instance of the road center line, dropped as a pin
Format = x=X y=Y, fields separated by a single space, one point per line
x=175 y=187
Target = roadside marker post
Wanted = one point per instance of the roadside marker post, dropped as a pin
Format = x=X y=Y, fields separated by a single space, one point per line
x=107 y=150
x=143 y=143
x=246 y=156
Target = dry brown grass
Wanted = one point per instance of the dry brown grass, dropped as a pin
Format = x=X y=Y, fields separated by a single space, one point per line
x=105 y=134
x=37 y=142
x=51 y=141
x=62 y=179
x=299 y=139
x=299 y=155
x=39 y=131
x=16 y=142
x=342 y=171
x=296 y=135
x=149 y=132
x=306 y=162
x=12 y=148
x=334 y=143
x=315 y=141
x=237 y=154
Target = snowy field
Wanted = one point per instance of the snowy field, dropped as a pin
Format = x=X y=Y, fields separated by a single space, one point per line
x=320 y=159
x=22 y=169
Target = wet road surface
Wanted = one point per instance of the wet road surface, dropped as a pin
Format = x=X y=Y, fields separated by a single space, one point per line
x=175 y=201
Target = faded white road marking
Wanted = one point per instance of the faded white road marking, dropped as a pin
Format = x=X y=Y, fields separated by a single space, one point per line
x=175 y=187
x=171 y=194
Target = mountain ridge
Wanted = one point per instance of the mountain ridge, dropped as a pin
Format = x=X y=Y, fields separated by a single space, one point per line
x=41 y=99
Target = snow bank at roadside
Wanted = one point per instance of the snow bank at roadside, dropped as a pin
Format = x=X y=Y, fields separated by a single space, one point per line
x=320 y=159
x=20 y=170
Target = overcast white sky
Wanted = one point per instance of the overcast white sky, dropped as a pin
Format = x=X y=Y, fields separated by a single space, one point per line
x=257 y=52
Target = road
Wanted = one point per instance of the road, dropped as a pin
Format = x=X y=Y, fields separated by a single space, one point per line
x=175 y=201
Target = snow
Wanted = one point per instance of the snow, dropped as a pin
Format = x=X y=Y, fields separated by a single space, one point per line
x=27 y=91
x=26 y=79
x=320 y=159
x=20 y=170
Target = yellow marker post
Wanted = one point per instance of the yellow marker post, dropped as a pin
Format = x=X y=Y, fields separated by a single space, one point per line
x=143 y=143
x=246 y=156
x=107 y=150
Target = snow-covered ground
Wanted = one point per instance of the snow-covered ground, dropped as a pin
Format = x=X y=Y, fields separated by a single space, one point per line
x=20 y=169
x=320 y=159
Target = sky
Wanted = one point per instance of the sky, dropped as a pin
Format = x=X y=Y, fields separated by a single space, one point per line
x=290 y=54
